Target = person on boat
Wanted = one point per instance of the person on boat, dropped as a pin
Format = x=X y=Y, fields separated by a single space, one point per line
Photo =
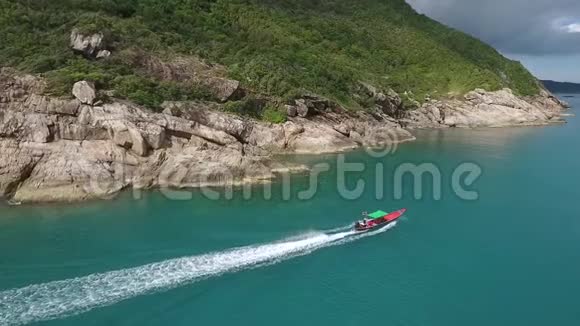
x=364 y=220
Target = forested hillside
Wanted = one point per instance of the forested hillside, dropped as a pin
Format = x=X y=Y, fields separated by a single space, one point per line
x=273 y=47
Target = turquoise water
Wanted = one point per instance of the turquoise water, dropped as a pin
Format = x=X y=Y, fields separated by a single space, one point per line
x=510 y=257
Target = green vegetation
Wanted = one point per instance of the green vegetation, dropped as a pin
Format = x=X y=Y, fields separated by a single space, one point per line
x=257 y=109
x=249 y=107
x=274 y=47
x=121 y=78
x=273 y=115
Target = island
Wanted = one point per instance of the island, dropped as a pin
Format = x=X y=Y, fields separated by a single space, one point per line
x=99 y=96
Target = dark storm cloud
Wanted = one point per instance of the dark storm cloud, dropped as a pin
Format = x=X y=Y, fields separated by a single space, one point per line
x=525 y=27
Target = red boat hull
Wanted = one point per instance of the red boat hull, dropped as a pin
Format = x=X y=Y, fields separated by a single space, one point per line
x=380 y=222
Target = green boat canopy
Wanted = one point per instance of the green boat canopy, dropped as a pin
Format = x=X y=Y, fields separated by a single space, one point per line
x=377 y=214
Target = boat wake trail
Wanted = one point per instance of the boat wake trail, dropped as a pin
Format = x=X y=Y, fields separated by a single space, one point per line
x=58 y=299
x=340 y=229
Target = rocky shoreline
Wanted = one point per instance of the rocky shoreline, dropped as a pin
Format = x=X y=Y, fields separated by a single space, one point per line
x=488 y=109
x=64 y=150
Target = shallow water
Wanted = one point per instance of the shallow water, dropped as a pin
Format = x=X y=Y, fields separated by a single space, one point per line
x=509 y=257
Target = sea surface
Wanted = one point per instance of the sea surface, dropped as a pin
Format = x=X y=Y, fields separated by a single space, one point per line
x=502 y=249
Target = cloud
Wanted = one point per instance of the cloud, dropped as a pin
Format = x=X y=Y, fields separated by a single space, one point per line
x=572 y=28
x=521 y=27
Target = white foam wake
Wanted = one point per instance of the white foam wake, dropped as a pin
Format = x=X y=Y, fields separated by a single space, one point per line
x=73 y=296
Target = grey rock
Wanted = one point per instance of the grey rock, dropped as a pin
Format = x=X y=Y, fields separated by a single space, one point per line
x=225 y=89
x=129 y=137
x=291 y=111
x=16 y=163
x=208 y=115
x=64 y=107
x=199 y=166
x=309 y=104
x=71 y=130
x=11 y=123
x=384 y=136
x=140 y=145
x=123 y=138
x=103 y=54
x=302 y=108
x=292 y=129
x=316 y=139
x=153 y=134
x=357 y=137
x=61 y=150
x=388 y=101
x=170 y=111
x=193 y=71
x=84 y=91
x=36 y=127
x=486 y=109
x=268 y=137
x=91 y=45
x=67 y=172
x=215 y=136
x=343 y=128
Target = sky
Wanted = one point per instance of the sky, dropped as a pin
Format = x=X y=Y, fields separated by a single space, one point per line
x=543 y=34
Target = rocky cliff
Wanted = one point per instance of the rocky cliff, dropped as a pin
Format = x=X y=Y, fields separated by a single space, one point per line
x=77 y=133
x=487 y=109
x=55 y=149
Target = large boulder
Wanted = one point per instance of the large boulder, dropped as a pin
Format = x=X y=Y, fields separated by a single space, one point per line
x=208 y=115
x=103 y=54
x=11 y=123
x=16 y=163
x=184 y=128
x=65 y=107
x=178 y=127
x=309 y=104
x=291 y=111
x=193 y=71
x=385 y=135
x=292 y=129
x=34 y=127
x=388 y=101
x=37 y=128
x=90 y=45
x=302 y=109
x=128 y=136
x=202 y=164
x=215 y=136
x=268 y=137
x=70 y=129
x=26 y=93
x=69 y=171
x=225 y=89
x=153 y=134
x=84 y=91
x=318 y=138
